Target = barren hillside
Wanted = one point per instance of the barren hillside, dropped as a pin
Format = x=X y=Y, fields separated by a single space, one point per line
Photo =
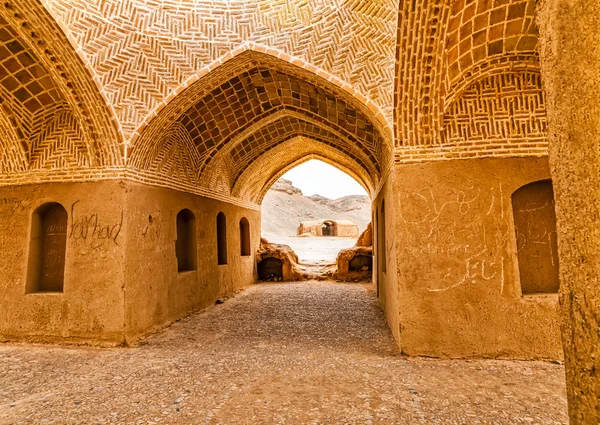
x=284 y=207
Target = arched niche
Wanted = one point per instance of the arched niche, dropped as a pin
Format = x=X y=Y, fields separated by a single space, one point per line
x=47 y=249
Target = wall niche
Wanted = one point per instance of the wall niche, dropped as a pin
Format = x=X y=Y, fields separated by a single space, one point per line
x=47 y=249
x=535 y=227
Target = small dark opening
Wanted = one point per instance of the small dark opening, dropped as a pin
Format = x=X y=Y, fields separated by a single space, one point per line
x=383 y=243
x=222 y=238
x=327 y=229
x=361 y=263
x=270 y=269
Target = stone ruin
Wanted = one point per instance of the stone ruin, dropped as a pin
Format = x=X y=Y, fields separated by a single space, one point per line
x=339 y=228
x=276 y=262
x=356 y=263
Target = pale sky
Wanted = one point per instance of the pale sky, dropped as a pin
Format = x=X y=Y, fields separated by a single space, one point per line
x=317 y=177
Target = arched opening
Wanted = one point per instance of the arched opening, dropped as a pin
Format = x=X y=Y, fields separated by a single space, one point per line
x=221 y=238
x=185 y=245
x=317 y=209
x=377 y=243
x=535 y=228
x=47 y=248
x=464 y=94
x=291 y=115
x=284 y=105
x=244 y=237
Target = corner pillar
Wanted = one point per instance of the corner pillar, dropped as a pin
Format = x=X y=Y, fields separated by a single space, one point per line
x=570 y=56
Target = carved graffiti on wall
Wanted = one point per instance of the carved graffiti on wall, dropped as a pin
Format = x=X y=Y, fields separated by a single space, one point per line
x=459 y=231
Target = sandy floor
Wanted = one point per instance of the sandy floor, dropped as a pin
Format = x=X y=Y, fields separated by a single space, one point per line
x=306 y=353
x=313 y=250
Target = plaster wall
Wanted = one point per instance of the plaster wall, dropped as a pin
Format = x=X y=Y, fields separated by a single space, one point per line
x=347 y=231
x=458 y=278
x=386 y=281
x=90 y=308
x=121 y=280
x=156 y=293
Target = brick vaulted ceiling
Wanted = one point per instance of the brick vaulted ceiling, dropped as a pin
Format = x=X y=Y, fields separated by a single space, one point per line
x=45 y=119
x=210 y=133
x=191 y=93
x=468 y=72
x=143 y=51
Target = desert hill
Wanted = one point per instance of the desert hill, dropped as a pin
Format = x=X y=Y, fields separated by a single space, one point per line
x=284 y=207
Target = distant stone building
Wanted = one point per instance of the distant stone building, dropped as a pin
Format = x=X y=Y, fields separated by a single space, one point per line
x=342 y=228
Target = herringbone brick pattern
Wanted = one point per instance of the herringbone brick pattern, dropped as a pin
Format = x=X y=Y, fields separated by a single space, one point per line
x=248 y=106
x=452 y=58
x=59 y=144
x=143 y=51
x=53 y=118
x=194 y=94
x=175 y=155
x=507 y=107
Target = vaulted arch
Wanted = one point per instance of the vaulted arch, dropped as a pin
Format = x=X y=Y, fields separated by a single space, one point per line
x=261 y=174
x=253 y=102
x=146 y=52
x=49 y=97
x=445 y=49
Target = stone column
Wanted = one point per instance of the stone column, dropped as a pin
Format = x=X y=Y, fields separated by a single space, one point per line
x=570 y=56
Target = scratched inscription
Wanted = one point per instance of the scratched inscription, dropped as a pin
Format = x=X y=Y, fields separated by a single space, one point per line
x=456 y=234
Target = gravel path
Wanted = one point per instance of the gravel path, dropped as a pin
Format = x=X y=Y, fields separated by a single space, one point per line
x=305 y=353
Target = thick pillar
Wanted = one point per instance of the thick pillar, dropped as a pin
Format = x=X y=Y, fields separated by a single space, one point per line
x=570 y=40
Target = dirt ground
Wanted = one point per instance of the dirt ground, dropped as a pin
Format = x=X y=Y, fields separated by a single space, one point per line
x=313 y=249
x=302 y=353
